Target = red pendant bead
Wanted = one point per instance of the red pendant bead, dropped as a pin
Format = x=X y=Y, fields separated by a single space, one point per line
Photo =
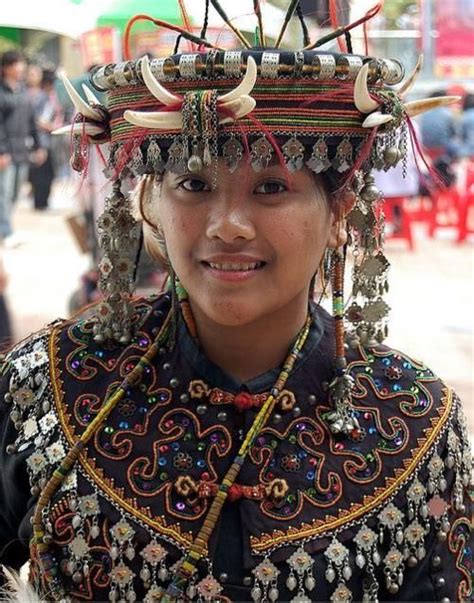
x=243 y=401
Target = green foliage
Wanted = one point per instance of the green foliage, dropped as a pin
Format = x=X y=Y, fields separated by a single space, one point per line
x=394 y=9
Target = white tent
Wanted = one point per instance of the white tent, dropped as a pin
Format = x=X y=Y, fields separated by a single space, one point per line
x=57 y=16
x=70 y=19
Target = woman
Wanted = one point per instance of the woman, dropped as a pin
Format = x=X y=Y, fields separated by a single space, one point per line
x=220 y=442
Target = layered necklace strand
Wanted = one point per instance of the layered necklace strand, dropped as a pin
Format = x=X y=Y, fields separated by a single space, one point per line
x=199 y=547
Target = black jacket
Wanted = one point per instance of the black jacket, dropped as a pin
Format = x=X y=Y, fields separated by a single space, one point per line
x=384 y=512
x=18 y=132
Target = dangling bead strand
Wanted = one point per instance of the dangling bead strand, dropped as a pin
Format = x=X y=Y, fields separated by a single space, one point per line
x=341 y=418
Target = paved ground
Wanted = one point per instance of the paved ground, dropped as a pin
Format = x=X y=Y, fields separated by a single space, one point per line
x=431 y=295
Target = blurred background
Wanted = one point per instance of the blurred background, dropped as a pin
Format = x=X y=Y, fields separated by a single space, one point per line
x=48 y=244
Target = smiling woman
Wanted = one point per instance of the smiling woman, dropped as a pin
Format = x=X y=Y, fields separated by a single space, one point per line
x=253 y=232
x=229 y=440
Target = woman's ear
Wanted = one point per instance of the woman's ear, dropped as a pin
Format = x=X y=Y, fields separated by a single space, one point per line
x=338 y=226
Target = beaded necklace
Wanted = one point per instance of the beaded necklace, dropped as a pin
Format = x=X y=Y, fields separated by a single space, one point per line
x=40 y=541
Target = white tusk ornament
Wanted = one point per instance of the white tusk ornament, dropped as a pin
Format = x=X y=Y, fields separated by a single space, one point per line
x=80 y=104
x=418 y=107
x=78 y=128
x=376 y=119
x=408 y=83
x=245 y=86
x=362 y=99
x=154 y=86
x=91 y=97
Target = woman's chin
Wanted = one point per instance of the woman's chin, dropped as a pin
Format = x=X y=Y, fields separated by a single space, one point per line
x=229 y=313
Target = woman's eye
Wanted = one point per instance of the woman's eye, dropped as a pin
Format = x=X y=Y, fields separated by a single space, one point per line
x=194 y=185
x=270 y=187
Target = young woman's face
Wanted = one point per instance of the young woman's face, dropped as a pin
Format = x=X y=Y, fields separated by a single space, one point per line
x=250 y=247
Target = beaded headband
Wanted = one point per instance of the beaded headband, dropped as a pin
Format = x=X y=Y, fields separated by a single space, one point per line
x=306 y=108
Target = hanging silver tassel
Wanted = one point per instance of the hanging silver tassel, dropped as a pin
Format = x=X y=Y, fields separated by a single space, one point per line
x=368 y=311
x=119 y=237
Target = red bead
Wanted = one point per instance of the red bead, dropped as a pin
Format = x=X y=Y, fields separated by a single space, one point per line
x=243 y=401
x=205 y=476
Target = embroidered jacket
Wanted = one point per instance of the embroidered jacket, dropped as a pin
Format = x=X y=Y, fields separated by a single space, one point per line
x=382 y=515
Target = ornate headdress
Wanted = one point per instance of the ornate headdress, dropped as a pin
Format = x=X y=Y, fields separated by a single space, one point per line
x=337 y=114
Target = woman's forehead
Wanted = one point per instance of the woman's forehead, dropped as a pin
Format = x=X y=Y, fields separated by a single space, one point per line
x=275 y=169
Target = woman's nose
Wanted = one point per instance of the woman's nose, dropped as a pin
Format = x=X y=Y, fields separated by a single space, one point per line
x=230 y=220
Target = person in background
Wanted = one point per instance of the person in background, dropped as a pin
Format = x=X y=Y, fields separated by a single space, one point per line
x=438 y=131
x=21 y=133
x=466 y=127
x=7 y=173
x=49 y=116
x=5 y=324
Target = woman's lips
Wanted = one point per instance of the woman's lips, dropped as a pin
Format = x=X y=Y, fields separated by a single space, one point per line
x=233 y=271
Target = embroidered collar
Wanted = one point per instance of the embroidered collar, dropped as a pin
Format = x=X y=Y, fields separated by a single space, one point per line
x=197 y=360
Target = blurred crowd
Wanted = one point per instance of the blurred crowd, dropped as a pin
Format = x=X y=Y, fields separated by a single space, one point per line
x=32 y=106
x=29 y=111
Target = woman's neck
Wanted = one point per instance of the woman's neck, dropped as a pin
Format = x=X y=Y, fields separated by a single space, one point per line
x=246 y=351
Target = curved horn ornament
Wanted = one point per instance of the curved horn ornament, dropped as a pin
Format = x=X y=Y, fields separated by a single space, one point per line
x=245 y=86
x=406 y=86
x=91 y=97
x=362 y=99
x=376 y=119
x=90 y=129
x=158 y=120
x=418 y=107
x=79 y=103
x=154 y=86
x=239 y=107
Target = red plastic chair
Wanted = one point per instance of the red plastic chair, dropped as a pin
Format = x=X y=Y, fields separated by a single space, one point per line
x=398 y=215
x=445 y=210
x=466 y=205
